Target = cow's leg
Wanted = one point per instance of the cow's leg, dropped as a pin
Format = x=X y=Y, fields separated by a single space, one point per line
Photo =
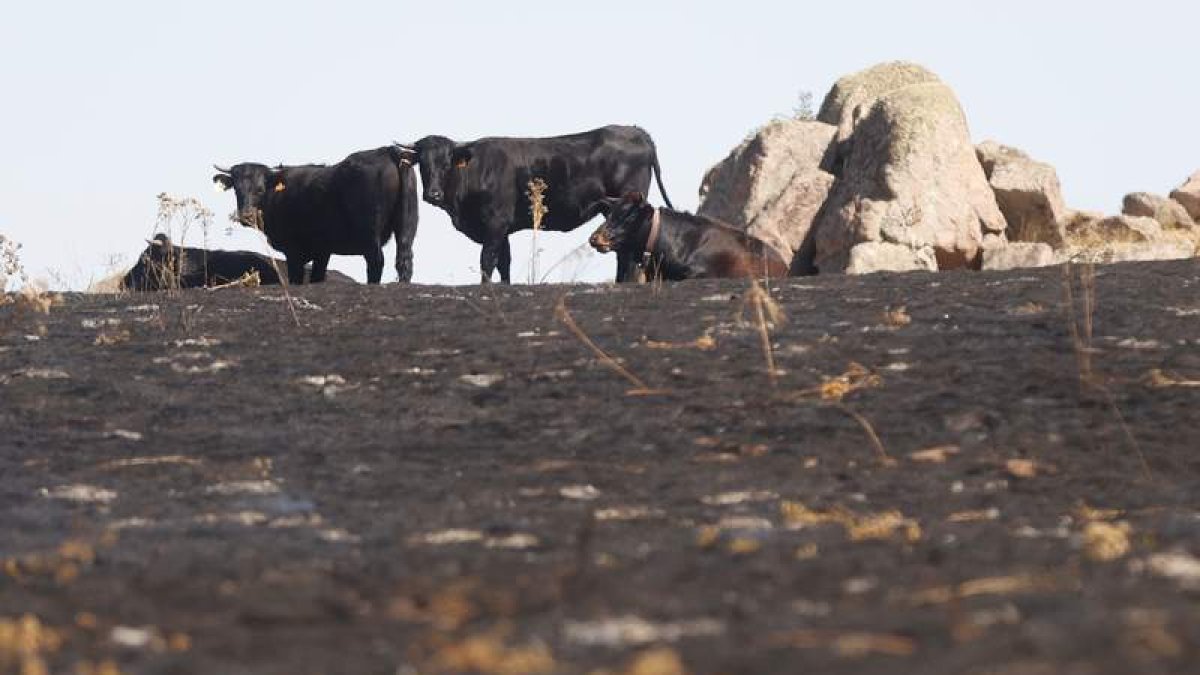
x=626 y=268
x=319 y=266
x=375 y=265
x=295 y=265
x=505 y=262
x=487 y=261
x=495 y=253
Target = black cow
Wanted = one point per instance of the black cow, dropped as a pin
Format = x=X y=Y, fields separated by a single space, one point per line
x=484 y=184
x=164 y=266
x=314 y=211
x=675 y=246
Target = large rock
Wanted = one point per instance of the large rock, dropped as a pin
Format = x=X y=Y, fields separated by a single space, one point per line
x=1168 y=212
x=772 y=185
x=853 y=96
x=1028 y=193
x=907 y=174
x=878 y=256
x=1188 y=195
x=1018 y=255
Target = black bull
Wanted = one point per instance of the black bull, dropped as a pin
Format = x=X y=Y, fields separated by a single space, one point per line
x=311 y=212
x=165 y=266
x=484 y=184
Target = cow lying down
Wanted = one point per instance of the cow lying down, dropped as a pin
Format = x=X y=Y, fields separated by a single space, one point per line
x=675 y=246
x=164 y=266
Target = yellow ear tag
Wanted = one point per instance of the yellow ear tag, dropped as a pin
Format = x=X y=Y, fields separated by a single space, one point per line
x=280 y=187
x=221 y=187
x=461 y=164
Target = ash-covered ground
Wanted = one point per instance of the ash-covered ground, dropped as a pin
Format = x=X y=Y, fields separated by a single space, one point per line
x=427 y=479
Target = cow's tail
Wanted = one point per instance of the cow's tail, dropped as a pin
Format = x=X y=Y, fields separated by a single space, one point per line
x=658 y=177
x=405 y=217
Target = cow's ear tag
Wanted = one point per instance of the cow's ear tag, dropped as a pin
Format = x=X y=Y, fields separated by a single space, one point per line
x=280 y=186
x=461 y=163
x=221 y=187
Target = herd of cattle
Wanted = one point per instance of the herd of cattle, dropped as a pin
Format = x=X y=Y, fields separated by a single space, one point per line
x=311 y=212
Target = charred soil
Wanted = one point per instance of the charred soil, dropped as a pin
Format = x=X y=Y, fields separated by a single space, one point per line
x=428 y=479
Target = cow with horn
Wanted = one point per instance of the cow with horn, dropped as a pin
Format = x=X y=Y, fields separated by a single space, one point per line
x=312 y=212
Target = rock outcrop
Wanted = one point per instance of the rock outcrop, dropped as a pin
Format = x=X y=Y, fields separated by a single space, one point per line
x=888 y=179
x=1028 y=192
x=907 y=172
x=1188 y=195
x=772 y=185
x=1168 y=212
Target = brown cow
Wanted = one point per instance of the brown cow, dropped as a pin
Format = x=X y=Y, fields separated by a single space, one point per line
x=675 y=246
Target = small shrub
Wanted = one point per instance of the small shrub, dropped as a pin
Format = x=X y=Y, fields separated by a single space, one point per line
x=27 y=298
x=804 y=110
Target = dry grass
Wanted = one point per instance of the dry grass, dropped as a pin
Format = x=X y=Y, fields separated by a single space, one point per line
x=259 y=226
x=765 y=310
x=858 y=527
x=538 y=210
x=834 y=390
x=1080 y=317
x=28 y=299
x=1161 y=379
x=250 y=279
x=177 y=217
x=640 y=388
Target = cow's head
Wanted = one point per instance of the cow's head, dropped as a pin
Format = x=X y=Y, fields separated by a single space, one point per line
x=441 y=162
x=252 y=184
x=625 y=218
x=156 y=268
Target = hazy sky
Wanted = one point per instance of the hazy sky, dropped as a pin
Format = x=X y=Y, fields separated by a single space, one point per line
x=107 y=104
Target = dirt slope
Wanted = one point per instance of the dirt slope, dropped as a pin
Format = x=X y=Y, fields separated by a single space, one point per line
x=424 y=479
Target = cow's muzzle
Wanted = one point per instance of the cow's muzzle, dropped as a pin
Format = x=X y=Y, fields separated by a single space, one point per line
x=600 y=242
x=250 y=218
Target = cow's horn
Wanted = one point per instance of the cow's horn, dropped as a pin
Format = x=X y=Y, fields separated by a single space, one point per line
x=402 y=146
x=221 y=170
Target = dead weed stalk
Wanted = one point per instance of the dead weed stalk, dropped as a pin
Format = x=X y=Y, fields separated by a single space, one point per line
x=250 y=279
x=640 y=388
x=538 y=210
x=834 y=390
x=1080 y=323
x=765 y=309
x=260 y=227
x=27 y=298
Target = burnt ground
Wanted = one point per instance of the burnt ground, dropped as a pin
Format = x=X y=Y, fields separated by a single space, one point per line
x=426 y=479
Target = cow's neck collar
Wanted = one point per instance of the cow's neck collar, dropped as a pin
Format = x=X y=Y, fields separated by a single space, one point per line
x=655 y=226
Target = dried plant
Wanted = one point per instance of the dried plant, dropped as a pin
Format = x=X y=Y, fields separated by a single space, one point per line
x=833 y=390
x=564 y=315
x=28 y=298
x=1080 y=315
x=259 y=225
x=765 y=310
x=250 y=279
x=176 y=218
x=10 y=263
x=538 y=210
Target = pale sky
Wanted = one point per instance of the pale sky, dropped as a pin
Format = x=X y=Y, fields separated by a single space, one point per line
x=105 y=105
